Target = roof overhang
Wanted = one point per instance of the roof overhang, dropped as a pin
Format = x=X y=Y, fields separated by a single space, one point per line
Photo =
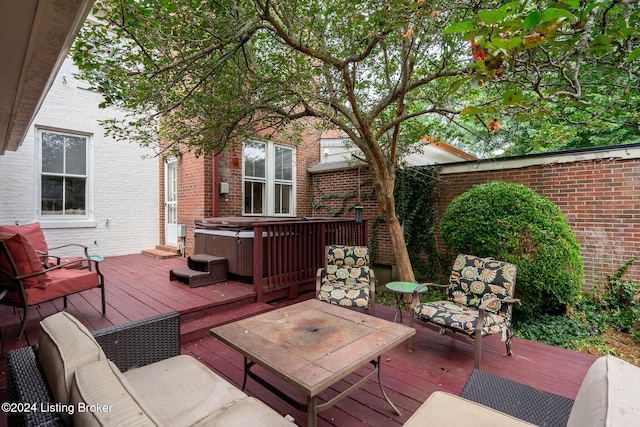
x=35 y=37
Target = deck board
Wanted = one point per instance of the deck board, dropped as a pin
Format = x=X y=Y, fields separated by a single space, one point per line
x=138 y=286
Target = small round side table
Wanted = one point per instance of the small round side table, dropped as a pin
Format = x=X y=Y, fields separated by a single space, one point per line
x=399 y=290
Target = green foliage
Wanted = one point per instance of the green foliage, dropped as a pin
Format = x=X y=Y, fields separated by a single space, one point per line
x=513 y=223
x=558 y=330
x=417 y=193
x=616 y=305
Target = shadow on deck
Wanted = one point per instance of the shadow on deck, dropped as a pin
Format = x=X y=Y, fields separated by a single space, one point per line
x=138 y=286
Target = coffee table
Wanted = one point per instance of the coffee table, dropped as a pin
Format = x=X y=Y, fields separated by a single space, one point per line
x=312 y=345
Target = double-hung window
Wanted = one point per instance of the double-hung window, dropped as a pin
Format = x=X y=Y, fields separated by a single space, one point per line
x=268 y=178
x=64 y=176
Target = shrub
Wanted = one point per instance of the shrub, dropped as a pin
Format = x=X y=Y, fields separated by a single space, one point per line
x=616 y=304
x=513 y=223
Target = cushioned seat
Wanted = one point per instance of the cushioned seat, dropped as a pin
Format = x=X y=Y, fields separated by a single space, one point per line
x=347 y=279
x=479 y=302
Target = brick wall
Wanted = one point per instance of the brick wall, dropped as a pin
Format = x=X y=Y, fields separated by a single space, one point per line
x=597 y=190
x=199 y=182
x=337 y=191
x=599 y=196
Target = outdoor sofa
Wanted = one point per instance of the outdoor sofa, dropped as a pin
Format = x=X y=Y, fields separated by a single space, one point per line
x=124 y=375
x=608 y=396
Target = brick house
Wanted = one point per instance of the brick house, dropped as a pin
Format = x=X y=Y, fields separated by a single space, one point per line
x=272 y=177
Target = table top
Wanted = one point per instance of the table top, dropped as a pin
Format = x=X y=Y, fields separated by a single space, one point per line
x=405 y=287
x=312 y=344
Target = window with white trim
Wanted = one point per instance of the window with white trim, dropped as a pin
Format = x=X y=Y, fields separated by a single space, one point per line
x=268 y=179
x=63 y=169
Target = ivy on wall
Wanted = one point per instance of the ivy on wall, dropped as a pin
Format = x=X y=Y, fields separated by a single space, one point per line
x=417 y=193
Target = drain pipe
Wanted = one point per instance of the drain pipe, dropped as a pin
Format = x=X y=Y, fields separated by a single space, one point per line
x=215 y=184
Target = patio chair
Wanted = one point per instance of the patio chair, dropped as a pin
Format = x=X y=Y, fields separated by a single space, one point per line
x=34 y=233
x=25 y=282
x=347 y=279
x=479 y=302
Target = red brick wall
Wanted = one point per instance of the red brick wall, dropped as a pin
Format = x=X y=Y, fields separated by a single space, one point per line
x=336 y=193
x=199 y=181
x=600 y=198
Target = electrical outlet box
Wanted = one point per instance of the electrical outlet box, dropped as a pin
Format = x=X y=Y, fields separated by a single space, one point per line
x=224 y=188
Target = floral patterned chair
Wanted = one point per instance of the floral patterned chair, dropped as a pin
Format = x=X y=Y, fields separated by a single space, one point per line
x=347 y=278
x=480 y=302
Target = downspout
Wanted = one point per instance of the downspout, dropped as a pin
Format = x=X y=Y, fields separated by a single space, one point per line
x=215 y=194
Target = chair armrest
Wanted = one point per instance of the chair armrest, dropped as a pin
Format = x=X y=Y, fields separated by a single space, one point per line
x=141 y=342
x=26 y=385
x=68 y=245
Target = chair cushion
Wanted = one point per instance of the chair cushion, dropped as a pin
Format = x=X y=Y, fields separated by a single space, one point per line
x=459 y=317
x=608 y=395
x=443 y=410
x=63 y=282
x=65 y=345
x=26 y=259
x=475 y=279
x=340 y=294
x=33 y=232
x=102 y=387
x=347 y=276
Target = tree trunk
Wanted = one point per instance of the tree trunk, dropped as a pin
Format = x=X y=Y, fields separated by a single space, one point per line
x=384 y=183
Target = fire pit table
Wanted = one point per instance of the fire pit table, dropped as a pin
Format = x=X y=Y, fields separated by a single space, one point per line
x=312 y=345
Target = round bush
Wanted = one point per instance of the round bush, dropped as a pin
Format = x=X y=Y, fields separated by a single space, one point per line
x=510 y=222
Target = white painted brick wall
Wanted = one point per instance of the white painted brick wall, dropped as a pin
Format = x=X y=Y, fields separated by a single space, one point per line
x=124 y=187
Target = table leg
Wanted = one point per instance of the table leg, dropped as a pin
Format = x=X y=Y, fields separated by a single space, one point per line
x=247 y=367
x=398 y=298
x=396 y=410
x=312 y=412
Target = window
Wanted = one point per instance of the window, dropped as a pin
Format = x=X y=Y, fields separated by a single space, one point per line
x=63 y=175
x=268 y=177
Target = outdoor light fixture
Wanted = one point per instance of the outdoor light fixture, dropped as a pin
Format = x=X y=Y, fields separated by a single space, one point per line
x=358 y=210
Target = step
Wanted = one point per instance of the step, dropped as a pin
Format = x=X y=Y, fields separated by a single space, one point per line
x=196 y=325
x=158 y=253
x=196 y=278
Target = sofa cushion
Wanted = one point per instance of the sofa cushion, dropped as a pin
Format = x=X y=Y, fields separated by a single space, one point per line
x=102 y=396
x=65 y=345
x=196 y=391
x=26 y=259
x=33 y=232
x=444 y=409
x=608 y=395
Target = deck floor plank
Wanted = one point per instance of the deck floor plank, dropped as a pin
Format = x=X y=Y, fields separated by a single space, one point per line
x=138 y=286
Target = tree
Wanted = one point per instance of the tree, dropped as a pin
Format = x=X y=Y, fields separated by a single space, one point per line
x=208 y=73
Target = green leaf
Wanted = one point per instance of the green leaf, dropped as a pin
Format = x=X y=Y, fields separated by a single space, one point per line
x=635 y=54
x=554 y=14
x=511 y=97
x=507 y=44
x=459 y=27
x=456 y=85
x=531 y=20
x=472 y=110
x=491 y=16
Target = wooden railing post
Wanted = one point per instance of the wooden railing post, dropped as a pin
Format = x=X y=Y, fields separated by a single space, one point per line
x=258 y=263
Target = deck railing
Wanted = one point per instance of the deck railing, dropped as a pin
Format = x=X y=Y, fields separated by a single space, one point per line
x=286 y=258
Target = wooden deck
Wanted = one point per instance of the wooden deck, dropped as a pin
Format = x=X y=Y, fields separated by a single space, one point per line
x=138 y=286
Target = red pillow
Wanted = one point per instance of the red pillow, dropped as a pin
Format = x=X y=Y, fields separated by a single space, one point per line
x=33 y=232
x=26 y=259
